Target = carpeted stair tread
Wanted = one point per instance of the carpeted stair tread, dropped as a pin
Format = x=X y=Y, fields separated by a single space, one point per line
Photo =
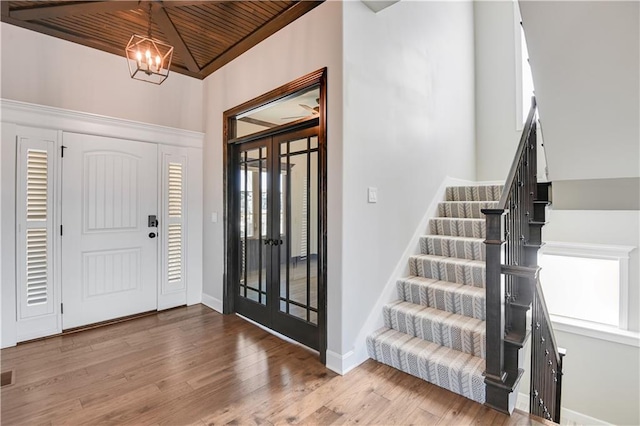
x=454 y=331
x=458 y=227
x=445 y=367
x=461 y=271
x=449 y=246
x=474 y=193
x=436 y=330
x=465 y=209
x=451 y=297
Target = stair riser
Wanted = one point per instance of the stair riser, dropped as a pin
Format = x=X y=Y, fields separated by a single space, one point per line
x=471 y=250
x=464 y=209
x=473 y=275
x=474 y=193
x=472 y=342
x=435 y=329
x=462 y=376
x=458 y=227
x=449 y=300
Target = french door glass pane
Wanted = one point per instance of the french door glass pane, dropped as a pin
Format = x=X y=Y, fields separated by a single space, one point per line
x=299 y=227
x=253 y=212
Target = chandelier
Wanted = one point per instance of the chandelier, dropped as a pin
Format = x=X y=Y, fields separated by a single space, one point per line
x=149 y=59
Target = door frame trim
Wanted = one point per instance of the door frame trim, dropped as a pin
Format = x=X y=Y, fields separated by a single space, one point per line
x=315 y=78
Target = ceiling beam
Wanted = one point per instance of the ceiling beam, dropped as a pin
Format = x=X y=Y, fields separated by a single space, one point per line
x=268 y=29
x=174 y=38
x=78 y=8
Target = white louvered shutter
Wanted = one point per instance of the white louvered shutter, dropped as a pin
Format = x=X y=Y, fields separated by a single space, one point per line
x=34 y=218
x=174 y=171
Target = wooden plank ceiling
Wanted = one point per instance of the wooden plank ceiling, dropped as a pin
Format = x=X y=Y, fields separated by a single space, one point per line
x=205 y=34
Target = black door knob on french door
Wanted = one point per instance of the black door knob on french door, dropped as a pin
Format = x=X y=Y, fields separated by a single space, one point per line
x=152 y=234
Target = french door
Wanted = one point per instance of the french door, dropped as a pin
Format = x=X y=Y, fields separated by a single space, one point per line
x=278 y=239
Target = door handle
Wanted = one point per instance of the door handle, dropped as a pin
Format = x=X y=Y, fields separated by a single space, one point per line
x=152 y=234
x=268 y=241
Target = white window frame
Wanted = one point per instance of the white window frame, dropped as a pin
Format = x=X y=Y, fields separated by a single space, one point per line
x=619 y=253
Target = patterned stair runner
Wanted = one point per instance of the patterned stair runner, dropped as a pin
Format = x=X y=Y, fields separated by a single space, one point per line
x=436 y=330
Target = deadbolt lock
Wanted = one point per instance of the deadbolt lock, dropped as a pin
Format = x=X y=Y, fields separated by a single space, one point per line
x=153 y=221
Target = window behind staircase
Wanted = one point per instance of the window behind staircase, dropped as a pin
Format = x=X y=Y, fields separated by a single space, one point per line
x=586 y=283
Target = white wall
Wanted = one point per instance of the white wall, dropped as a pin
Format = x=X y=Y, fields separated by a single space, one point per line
x=497 y=133
x=585 y=60
x=602 y=378
x=312 y=42
x=408 y=123
x=43 y=70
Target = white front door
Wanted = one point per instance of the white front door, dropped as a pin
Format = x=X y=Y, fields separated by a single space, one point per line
x=109 y=251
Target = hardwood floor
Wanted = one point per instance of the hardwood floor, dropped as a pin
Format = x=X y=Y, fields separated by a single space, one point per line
x=195 y=366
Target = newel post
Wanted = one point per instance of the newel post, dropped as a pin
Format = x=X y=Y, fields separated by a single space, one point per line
x=495 y=375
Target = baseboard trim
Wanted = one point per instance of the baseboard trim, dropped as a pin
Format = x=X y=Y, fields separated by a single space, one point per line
x=567 y=417
x=570 y=417
x=212 y=302
x=523 y=402
x=342 y=364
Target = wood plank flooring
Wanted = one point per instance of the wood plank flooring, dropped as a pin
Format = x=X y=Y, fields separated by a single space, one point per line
x=194 y=366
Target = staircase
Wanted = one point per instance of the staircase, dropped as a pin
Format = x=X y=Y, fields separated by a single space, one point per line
x=462 y=319
x=436 y=330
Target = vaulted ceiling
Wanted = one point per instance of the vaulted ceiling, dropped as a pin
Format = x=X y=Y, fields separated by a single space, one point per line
x=205 y=34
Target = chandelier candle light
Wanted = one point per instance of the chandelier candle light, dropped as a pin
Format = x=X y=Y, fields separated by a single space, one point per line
x=149 y=59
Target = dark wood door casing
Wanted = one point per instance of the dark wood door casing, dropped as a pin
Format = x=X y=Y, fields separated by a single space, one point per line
x=230 y=182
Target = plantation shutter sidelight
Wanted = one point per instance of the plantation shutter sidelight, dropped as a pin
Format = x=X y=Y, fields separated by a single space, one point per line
x=174 y=223
x=35 y=227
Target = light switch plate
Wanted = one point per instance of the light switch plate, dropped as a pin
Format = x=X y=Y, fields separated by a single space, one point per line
x=214 y=217
x=372 y=194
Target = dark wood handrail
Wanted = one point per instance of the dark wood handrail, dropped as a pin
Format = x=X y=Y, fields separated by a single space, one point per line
x=513 y=238
x=524 y=139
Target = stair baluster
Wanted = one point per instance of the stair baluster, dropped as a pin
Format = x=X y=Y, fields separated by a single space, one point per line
x=513 y=239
